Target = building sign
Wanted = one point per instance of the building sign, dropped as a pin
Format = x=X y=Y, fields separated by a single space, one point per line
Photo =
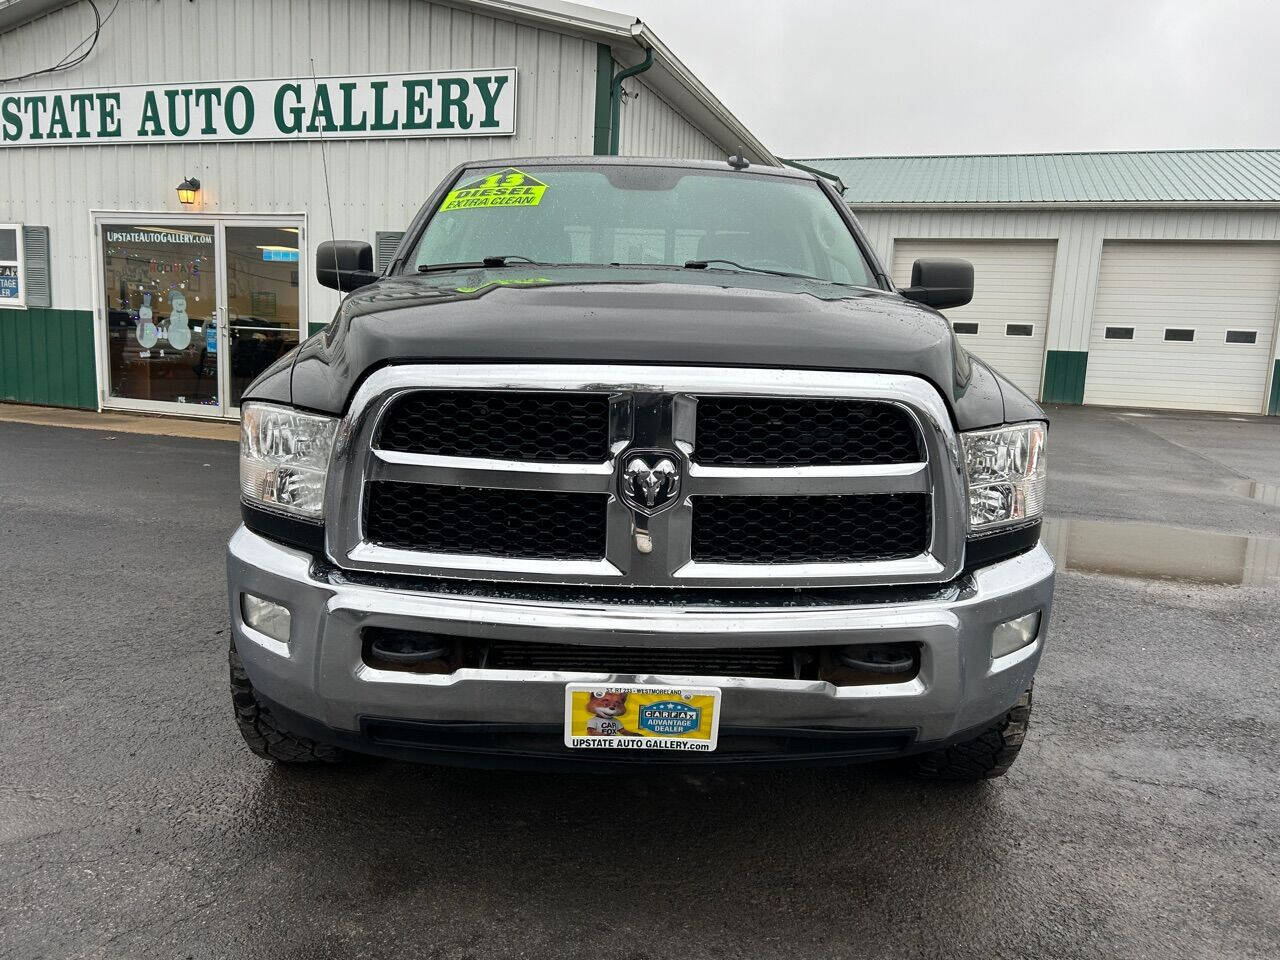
x=471 y=103
x=11 y=293
x=10 y=288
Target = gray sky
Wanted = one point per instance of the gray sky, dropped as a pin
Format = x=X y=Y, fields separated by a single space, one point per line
x=852 y=78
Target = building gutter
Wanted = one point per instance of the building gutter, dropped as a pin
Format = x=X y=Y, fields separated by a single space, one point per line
x=15 y=13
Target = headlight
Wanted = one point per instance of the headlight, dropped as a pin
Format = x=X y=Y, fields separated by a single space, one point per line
x=284 y=457
x=1006 y=475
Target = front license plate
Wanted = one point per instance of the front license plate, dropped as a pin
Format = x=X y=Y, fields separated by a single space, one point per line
x=629 y=716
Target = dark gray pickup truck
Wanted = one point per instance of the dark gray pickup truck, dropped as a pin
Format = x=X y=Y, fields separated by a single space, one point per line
x=632 y=461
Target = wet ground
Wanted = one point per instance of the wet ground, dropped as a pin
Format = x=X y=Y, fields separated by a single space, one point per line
x=1142 y=820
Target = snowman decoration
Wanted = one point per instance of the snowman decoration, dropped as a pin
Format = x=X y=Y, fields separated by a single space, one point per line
x=179 y=322
x=147 y=333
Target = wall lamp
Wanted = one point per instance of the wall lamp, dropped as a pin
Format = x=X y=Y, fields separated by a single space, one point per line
x=187 y=190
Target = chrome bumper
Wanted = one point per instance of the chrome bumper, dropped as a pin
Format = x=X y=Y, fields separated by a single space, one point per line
x=320 y=675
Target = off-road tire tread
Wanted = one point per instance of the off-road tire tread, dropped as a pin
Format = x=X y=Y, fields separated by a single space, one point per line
x=990 y=754
x=260 y=730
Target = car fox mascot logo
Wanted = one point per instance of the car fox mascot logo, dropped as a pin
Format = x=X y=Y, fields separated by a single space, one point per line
x=605 y=709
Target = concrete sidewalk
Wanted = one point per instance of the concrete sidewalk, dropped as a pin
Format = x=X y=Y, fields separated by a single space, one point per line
x=116 y=422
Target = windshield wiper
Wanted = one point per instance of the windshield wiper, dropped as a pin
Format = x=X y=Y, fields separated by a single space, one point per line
x=703 y=264
x=486 y=262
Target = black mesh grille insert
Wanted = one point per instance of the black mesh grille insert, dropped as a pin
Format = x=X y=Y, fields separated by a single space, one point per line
x=799 y=432
x=765 y=662
x=499 y=523
x=810 y=529
x=546 y=427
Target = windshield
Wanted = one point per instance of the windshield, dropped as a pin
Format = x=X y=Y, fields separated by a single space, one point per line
x=643 y=215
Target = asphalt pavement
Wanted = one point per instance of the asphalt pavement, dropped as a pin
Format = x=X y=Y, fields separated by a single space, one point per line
x=1142 y=819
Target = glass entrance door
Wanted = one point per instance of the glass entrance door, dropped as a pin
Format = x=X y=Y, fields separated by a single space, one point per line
x=263 y=311
x=193 y=309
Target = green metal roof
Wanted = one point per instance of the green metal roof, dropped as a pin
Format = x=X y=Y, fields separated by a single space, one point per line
x=1174 y=176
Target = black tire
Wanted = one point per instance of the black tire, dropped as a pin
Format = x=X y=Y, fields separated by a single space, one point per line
x=263 y=734
x=990 y=754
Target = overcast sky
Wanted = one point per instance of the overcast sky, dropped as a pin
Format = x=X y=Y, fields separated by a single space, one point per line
x=832 y=78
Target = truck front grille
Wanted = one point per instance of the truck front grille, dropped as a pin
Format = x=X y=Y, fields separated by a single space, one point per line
x=810 y=529
x=802 y=431
x=487 y=523
x=537 y=427
x=517 y=472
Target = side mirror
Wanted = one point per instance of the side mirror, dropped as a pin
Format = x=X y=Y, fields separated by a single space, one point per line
x=345 y=264
x=940 y=283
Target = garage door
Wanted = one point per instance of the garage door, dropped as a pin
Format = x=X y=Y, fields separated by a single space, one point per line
x=1005 y=324
x=1183 y=325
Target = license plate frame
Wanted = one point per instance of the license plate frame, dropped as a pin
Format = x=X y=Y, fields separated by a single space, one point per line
x=642 y=716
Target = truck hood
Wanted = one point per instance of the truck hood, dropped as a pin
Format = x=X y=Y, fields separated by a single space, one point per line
x=585 y=315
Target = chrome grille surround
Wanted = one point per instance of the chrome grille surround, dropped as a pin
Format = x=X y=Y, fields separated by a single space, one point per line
x=650 y=407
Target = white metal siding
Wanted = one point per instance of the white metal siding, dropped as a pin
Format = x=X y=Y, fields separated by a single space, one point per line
x=1012 y=282
x=651 y=127
x=1206 y=287
x=374 y=184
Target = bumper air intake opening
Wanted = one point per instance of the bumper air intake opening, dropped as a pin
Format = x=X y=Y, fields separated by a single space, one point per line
x=415 y=651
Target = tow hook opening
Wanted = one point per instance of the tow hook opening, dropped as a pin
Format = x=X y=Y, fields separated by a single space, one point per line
x=409 y=650
x=861 y=664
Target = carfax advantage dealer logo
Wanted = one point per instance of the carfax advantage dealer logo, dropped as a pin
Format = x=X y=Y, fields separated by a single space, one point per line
x=506 y=188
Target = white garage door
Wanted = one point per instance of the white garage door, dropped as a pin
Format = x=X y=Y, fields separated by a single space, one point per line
x=1005 y=323
x=1183 y=325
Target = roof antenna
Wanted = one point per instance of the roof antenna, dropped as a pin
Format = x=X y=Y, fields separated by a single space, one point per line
x=738 y=161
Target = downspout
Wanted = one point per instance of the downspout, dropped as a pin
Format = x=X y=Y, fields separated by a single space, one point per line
x=615 y=97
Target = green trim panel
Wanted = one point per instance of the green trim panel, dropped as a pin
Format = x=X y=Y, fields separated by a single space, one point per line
x=604 y=77
x=1273 y=405
x=313 y=328
x=46 y=357
x=1064 y=372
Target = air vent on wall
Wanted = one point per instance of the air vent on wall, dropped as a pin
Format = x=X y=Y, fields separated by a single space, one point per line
x=35 y=266
x=384 y=247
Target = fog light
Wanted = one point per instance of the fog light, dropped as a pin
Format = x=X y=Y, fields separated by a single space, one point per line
x=265 y=616
x=1014 y=634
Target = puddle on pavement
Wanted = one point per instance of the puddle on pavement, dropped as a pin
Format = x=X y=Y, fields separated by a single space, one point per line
x=1153 y=552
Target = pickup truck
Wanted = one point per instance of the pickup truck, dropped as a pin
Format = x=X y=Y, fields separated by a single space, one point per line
x=629 y=462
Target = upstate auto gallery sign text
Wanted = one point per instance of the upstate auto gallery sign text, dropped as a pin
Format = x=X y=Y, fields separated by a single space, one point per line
x=470 y=103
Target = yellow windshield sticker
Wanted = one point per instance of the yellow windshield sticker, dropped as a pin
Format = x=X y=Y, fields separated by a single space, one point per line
x=506 y=188
x=522 y=282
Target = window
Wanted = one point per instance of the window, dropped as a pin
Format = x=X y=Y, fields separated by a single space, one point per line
x=1179 y=334
x=13 y=289
x=966 y=328
x=1018 y=329
x=1242 y=336
x=1119 y=333
x=648 y=216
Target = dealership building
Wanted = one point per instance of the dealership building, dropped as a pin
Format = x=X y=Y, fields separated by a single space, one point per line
x=163 y=192
x=1118 y=279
